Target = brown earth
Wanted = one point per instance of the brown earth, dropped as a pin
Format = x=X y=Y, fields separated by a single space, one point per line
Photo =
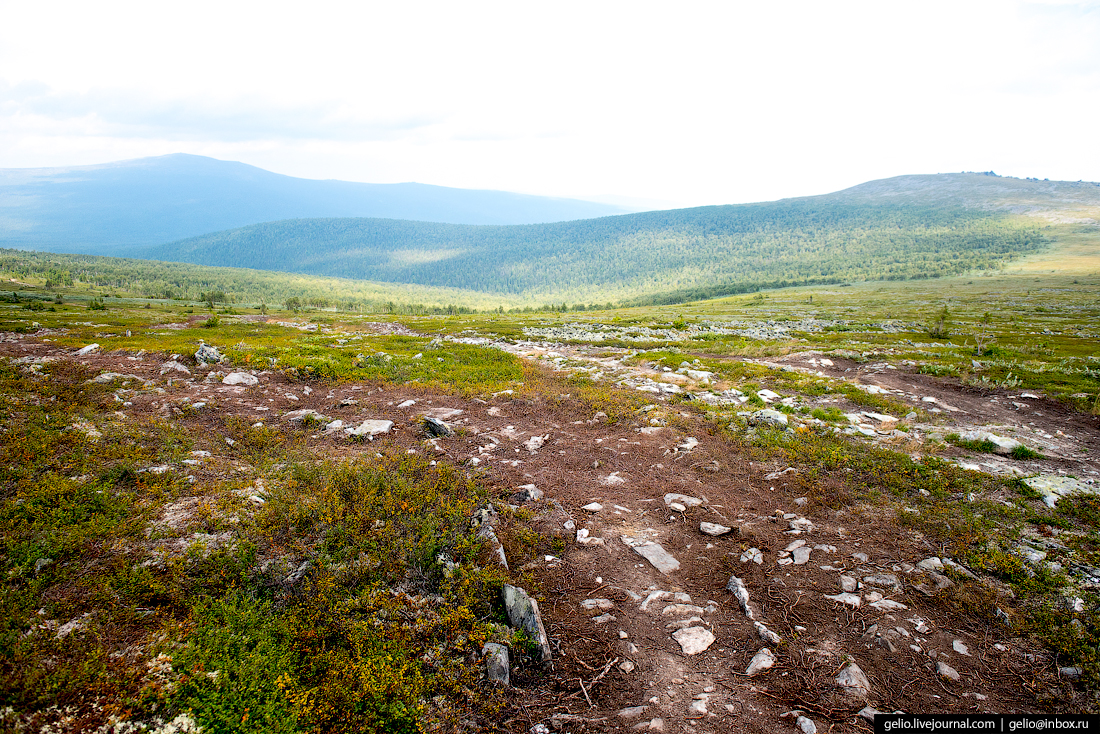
x=589 y=680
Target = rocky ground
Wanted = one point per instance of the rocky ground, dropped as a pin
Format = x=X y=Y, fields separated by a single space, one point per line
x=698 y=591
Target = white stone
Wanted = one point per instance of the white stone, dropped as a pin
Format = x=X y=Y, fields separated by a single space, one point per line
x=946 y=671
x=592 y=507
x=682 y=499
x=406 y=404
x=661 y=559
x=766 y=634
x=889 y=605
x=713 y=529
x=960 y=647
x=801 y=555
x=754 y=555
x=851 y=600
x=370 y=428
x=86 y=350
x=602 y=605
x=847 y=583
x=806 y=726
x=240 y=378
x=853 y=678
x=694 y=640
x=760 y=662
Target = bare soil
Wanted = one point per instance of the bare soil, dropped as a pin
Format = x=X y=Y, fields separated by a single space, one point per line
x=600 y=668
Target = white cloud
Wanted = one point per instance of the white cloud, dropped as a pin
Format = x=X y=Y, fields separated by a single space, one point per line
x=708 y=102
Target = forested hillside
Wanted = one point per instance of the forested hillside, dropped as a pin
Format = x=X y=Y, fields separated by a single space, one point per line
x=704 y=251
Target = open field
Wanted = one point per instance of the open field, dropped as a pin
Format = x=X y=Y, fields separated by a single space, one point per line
x=179 y=548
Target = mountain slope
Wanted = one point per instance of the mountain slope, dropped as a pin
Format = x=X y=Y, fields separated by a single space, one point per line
x=154 y=200
x=694 y=252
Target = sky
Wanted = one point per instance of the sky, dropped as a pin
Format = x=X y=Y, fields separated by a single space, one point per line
x=659 y=103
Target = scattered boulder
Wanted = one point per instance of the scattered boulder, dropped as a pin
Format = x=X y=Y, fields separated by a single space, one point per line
x=173 y=366
x=852 y=679
x=240 y=378
x=682 y=499
x=946 y=671
x=528 y=493
x=760 y=662
x=661 y=559
x=694 y=640
x=806 y=726
x=370 y=428
x=523 y=613
x=1002 y=445
x=768 y=417
x=497 y=666
x=437 y=428
x=713 y=529
x=592 y=507
x=305 y=415
x=208 y=354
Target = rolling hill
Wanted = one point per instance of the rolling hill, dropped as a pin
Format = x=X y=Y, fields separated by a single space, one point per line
x=908 y=227
x=100 y=209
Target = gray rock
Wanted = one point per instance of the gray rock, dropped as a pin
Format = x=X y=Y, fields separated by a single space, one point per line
x=592 y=605
x=1073 y=672
x=240 y=378
x=847 y=583
x=173 y=366
x=694 y=640
x=436 y=427
x=523 y=613
x=83 y=351
x=593 y=507
x=632 y=712
x=854 y=680
x=370 y=428
x=851 y=600
x=306 y=414
x=682 y=499
x=740 y=592
x=1002 y=444
x=661 y=559
x=801 y=555
x=766 y=634
x=806 y=726
x=768 y=417
x=497 y=665
x=42 y=563
x=946 y=671
x=496 y=548
x=869 y=713
x=208 y=354
x=529 y=493
x=760 y=662
x=713 y=529
x=298 y=574
x=885 y=580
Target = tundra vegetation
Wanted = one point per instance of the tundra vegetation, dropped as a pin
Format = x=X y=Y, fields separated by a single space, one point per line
x=171 y=560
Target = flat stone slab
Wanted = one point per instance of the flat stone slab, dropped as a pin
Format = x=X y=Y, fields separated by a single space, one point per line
x=240 y=378
x=682 y=499
x=370 y=428
x=661 y=559
x=713 y=529
x=760 y=662
x=694 y=640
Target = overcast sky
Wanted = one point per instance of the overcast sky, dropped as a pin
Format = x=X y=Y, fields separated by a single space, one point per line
x=686 y=103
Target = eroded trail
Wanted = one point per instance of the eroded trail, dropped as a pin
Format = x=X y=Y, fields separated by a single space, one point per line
x=698 y=589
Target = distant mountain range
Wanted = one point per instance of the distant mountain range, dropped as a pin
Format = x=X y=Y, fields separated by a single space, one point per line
x=148 y=201
x=906 y=227
x=899 y=228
